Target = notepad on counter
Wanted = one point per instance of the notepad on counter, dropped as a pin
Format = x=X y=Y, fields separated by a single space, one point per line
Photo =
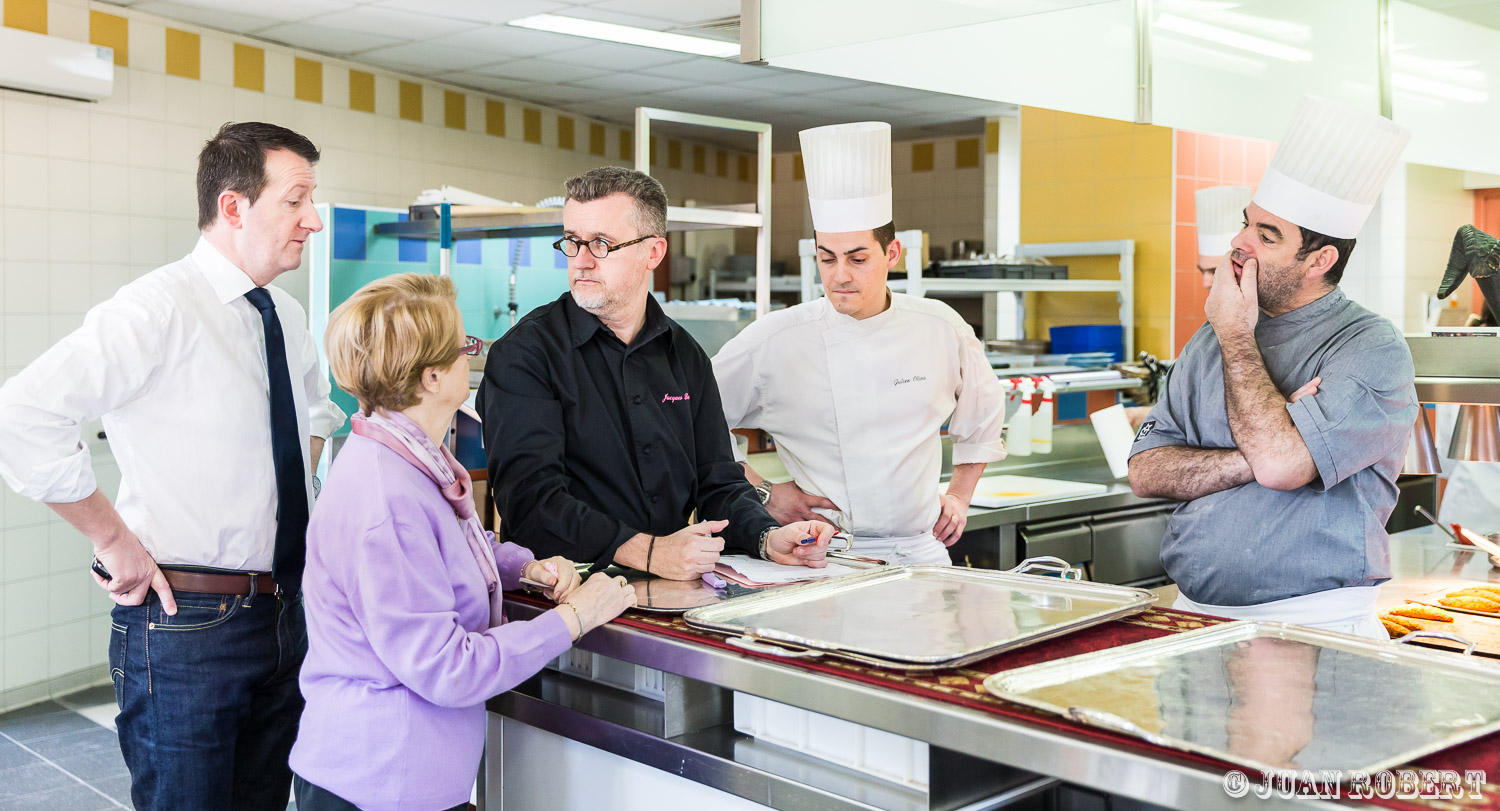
x=750 y=571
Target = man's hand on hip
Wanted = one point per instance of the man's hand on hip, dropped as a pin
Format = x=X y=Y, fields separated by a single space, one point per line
x=687 y=553
x=133 y=572
x=790 y=503
x=803 y=543
x=952 y=519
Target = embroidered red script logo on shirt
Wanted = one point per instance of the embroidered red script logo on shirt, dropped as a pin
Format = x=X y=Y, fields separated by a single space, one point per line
x=676 y=398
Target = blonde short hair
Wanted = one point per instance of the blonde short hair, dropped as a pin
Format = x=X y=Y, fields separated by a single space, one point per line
x=381 y=339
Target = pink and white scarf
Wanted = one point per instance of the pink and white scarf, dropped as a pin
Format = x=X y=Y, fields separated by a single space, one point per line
x=399 y=433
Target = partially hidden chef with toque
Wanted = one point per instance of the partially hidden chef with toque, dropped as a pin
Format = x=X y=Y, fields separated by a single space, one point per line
x=1283 y=424
x=856 y=386
x=1221 y=216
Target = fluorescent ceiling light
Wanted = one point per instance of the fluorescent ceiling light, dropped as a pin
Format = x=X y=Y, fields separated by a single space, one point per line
x=1232 y=39
x=1437 y=89
x=628 y=35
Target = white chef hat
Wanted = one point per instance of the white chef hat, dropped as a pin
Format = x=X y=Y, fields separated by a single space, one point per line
x=1221 y=215
x=1330 y=167
x=848 y=170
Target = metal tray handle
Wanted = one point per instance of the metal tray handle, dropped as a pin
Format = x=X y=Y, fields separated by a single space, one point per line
x=1108 y=720
x=1047 y=563
x=774 y=650
x=1468 y=646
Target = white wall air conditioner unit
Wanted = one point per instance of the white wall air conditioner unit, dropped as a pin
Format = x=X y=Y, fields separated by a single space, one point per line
x=55 y=66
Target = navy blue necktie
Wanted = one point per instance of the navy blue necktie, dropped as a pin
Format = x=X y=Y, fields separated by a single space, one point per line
x=286 y=452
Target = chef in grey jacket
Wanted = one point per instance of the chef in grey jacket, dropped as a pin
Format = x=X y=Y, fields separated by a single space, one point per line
x=1283 y=424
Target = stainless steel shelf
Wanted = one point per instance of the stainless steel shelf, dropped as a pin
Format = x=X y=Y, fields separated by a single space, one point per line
x=939 y=284
x=482 y=222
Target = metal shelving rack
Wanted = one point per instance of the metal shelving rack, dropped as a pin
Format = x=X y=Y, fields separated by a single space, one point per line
x=447 y=224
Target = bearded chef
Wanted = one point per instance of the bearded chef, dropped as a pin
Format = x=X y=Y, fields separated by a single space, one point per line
x=856 y=387
x=1283 y=424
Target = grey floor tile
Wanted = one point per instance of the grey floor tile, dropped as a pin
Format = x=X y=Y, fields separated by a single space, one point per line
x=103 y=694
x=37 y=727
x=116 y=787
x=73 y=798
x=57 y=747
x=12 y=756
x=31 y=711
x=94 y=765
x=25 y=780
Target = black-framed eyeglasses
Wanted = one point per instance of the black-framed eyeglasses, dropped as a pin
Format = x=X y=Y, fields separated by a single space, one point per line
x=472 y=346
x=599 y=247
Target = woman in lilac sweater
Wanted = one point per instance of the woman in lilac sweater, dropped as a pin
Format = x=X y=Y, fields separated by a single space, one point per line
x=406 y=638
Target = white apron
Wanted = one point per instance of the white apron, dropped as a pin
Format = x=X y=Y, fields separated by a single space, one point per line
x=914 y=550
x=1346 y=611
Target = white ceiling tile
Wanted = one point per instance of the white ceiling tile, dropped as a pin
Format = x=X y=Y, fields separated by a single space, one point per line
x=509 y=42
x=706 y=69
x=542 y=70
x=482 y=11
x=560 y=93
x=637 y=83
x=678 y=11
x=798 y=82
x=949 y=104
x=874 y=94
x=427 y=58
x=492 y=84
x=334 y=41
x=612 y=56
x=716 y=94
x=401 y=25
x=233 y=21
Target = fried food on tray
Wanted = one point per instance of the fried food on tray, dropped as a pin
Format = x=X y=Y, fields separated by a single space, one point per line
x=1421 y=612
x=1471 y=603
x=1396 y=631
x=1485 y=592
x=1405 y=622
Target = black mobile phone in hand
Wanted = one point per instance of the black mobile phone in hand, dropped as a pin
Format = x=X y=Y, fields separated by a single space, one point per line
x=100 y=570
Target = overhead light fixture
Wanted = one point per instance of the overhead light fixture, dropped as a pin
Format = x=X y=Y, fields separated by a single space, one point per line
x=1437 y=88
x=628 y=35
x=1232 y=39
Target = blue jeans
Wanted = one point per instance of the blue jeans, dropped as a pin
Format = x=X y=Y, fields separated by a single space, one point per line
x=208 y=699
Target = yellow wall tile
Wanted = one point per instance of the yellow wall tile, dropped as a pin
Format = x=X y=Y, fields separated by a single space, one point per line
x=249 y=67
x=27 y=15
x=411 y=101
x=798 y=171
x=565 y=138
x=992 y=137
x=674 y=154
x=184 y=54
x=921 y=157
x=455 y=110
x=596 y=139
x=494 y=118
x=308 y=79
x=700 y=159
x=744 y=168
x=111 y=32
x=531 y=126
x=627 y=145
x=361 y=91
x=966 y=153
x=721 y=163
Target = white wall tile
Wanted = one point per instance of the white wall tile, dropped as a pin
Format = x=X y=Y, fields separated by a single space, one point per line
x=60 y=325
x=218 y=60
x=182 y=100
x=68 y=596
x=433 y=111
x=217 y=108
x=67 y=21
x=148 y=97
x=26 y=604
x=22 y=512
x=23 y=234
x=147 y=192
x=181 y=196
x=68 y=183
x=99 y=638
x=109 y=187
x=387 y=97
x=248 y=105
x=118 y=102
x=148 y=47
x=182 y=235
x=182 y=145
x=25 y=659
x=26 y=125
x=65 y=242
x=109 y=236
x=25 y=553
x=25 y=181
x=148 y=241
x=335 y=87
x=68 y=130
x=68 y=648
x=279 y=81
x=68 y=285
x=147 y=143
x=109 y=139
x=68 y=552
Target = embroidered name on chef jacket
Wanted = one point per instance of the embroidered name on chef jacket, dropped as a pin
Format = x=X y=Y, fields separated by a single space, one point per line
x=913 y=379
x=676 y=398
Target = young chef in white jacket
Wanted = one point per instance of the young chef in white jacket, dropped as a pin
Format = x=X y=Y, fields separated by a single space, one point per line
x=856 y=387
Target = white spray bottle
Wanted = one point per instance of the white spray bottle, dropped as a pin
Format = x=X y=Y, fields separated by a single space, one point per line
x=1019 y=441
x=1041 y=424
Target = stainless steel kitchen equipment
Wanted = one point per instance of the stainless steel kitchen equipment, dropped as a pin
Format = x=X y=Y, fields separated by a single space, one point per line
x=1271 y=696
x=917 y=617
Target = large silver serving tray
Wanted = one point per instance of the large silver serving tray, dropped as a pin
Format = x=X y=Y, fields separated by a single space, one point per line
x=1271 y=696
x=917 y=617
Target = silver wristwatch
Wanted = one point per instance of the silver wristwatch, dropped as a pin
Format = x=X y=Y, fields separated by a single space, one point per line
x=763 y=491
x=764 y=534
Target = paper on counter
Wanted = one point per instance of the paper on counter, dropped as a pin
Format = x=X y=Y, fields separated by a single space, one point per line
x=754 y=571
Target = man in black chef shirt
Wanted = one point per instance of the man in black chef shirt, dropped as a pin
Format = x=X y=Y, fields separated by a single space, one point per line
x=602 y=421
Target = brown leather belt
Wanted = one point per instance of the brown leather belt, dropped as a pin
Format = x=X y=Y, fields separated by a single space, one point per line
x=213 y=583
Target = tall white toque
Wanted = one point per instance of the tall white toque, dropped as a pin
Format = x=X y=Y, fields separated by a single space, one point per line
x=1330 y=167
x=1221 y=216
x=848 y=171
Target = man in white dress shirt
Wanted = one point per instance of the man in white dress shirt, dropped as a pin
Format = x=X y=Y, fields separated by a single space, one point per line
x=856 y=387
x=208 y=384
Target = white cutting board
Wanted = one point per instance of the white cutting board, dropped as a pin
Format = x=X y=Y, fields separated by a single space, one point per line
x=1008 y=491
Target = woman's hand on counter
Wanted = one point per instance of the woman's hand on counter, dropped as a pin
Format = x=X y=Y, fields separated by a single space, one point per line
x=561 y=576
x=789 y=503
x=600 y=599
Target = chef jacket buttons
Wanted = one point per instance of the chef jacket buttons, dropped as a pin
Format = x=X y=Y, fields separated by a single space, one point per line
x=637 y=399
x=654 y=499
x=646 y=451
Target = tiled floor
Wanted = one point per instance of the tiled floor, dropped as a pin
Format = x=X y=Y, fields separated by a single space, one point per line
x=63 y=754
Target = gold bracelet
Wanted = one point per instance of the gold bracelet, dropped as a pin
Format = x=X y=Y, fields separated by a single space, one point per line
x=578 y=616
